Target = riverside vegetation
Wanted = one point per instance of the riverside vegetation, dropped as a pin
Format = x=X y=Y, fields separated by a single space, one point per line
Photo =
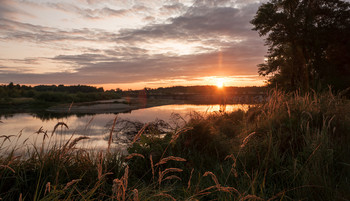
x=22 y=98
x=292 y=147
x=38 y=99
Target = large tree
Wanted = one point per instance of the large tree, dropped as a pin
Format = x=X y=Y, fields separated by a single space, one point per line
x=308 y=40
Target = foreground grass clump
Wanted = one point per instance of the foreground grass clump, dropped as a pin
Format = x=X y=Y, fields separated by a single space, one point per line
x=62 y=172
x=293 y=147
x=299 y=146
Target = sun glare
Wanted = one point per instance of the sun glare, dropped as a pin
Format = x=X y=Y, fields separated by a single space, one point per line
x=220 y=82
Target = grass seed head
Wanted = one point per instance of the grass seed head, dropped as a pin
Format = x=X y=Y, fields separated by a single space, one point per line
x=136 y=195
x=57 y=125
x=71 y=183
x=246 y=139
x=130 y=156
x=151 y=160
x=139 y=134
x=173 y=158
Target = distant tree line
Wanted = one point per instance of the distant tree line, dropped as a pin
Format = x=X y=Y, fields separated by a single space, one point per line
x=308 y=43
x=55 y=93
x=196 y=90
x=68 y=89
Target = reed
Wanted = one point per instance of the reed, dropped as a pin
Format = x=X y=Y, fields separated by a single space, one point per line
x=292 y=147
x=111 y=133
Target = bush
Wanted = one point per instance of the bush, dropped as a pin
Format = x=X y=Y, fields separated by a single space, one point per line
x=53 y=97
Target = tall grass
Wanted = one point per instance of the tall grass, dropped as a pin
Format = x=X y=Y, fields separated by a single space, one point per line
x=300 y=146
x=292 y=147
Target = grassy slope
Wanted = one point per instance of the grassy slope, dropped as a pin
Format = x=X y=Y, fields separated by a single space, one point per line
x=292 y=147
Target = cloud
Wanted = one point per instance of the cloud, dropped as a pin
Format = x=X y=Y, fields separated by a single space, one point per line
x=99 y=68
x=97 y=13
x=18 y=31
x=11 y=10
x=172 y=9
x=6 y=8
x=22 y=61
x=210 y=38
x=198 y=23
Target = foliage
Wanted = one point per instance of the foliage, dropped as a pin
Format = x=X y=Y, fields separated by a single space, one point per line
x=308 y=43
x=68 y=89
x=17 y=97
x=293 y=147
x=300 y=142
x=57 y=172
x=190 y=90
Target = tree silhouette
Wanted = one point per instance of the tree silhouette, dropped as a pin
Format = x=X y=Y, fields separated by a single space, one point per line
x=308 y=43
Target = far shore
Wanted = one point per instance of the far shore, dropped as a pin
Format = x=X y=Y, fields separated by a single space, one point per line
x=120 y=105
x=112 y=106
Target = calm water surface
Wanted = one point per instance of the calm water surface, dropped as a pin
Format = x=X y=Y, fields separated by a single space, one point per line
x=97 y=127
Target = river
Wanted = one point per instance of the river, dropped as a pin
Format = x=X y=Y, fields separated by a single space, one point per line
x=28 y=130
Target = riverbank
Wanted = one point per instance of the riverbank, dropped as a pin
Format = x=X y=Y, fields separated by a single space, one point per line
x=125 y=104
x=292 y=147
x=110 y=106
x=21 y=98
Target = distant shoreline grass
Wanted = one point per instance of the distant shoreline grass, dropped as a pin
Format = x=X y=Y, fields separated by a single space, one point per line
x=15 y=98
x=22 y=98
x=292 y=147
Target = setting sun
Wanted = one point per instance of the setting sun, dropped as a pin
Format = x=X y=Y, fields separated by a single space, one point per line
x=220 y=82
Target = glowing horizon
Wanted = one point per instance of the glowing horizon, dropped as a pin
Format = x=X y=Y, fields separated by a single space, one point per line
x=129 y=44
x=203 y=81
x=238 y=81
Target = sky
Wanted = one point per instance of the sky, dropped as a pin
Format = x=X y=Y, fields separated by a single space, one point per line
x=130 y=44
